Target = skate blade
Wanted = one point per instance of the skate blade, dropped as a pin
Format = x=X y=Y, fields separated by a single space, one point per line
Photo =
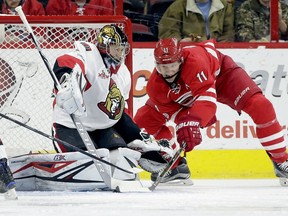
x=11 y=194
x=178 y=182
x=283 y=182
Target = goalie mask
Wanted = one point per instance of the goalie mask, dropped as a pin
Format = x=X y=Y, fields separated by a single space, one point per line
x=168 y=58
x=113 y=42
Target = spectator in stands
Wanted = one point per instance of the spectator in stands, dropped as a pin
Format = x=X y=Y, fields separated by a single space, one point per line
x=80 y=7
x=29 y=7
x=252 y=21
x=237 y=4
x=137 y=5
x=198 y=20
x=44 y=3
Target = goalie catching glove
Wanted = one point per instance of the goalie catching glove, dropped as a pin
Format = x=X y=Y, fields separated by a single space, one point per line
x=155 y=153
x=70 y=96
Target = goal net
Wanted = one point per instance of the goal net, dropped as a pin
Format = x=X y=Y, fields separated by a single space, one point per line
x=25 y=84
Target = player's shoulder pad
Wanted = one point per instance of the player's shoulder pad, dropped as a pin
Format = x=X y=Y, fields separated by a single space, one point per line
x=87 y=50
x=84 y=46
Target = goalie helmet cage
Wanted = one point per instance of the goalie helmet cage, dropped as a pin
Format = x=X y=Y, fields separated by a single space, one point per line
x=26 y=87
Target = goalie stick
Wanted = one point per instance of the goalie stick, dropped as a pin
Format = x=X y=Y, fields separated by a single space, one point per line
x=113 y=184
x=168 y=167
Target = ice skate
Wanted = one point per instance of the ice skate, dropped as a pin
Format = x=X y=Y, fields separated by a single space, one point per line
x=281 y=171
x=7 y=183
x=179 y=175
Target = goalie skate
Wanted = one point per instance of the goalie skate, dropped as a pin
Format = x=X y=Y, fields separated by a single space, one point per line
x=11 y=194
x=7 y=183
x=180 y=175
x=281 y=171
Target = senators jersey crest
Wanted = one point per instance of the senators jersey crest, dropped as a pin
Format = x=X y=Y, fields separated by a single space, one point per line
x=114 y=104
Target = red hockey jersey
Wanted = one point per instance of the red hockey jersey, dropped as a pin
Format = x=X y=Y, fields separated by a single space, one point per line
x=69 y=7
x=194 y=93
x=29 y=7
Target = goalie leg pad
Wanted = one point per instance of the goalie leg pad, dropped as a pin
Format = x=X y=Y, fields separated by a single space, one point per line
x=164 y=147
x=152 y=162
x=104 y=154
x=141 y=146
x=126 y=159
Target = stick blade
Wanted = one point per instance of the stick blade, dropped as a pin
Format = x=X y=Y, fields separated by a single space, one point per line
x=283 y=182
x=129 y=186
x=168 y=167
x=135 y=170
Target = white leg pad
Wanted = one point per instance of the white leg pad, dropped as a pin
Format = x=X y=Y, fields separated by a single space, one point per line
x=126 y=159
x=104 y=154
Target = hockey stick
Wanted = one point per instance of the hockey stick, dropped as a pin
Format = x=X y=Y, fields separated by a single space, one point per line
x=168 y=167
x=66 y=144
x=112 y=183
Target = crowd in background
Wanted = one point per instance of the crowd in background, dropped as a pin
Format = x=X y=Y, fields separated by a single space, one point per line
x=187 y=20
x=59 y=7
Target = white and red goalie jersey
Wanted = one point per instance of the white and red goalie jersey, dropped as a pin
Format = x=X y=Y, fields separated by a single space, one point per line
x=106 y=91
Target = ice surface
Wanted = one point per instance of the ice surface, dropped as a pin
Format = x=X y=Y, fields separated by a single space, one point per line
x=206 y=197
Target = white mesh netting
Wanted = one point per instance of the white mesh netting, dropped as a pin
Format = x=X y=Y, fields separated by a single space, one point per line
x=25 y=84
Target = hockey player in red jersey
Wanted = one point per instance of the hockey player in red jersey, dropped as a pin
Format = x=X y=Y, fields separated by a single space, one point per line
x=80 y=7
x=95 y=86
x=30 y=7
x=184 y=88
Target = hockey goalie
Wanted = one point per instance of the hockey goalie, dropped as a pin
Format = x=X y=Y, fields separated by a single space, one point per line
x=95 y=85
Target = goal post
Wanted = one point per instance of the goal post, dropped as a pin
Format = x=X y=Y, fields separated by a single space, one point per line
x=26 y=85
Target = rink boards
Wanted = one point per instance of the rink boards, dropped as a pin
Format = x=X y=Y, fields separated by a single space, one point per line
x=227 y=164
